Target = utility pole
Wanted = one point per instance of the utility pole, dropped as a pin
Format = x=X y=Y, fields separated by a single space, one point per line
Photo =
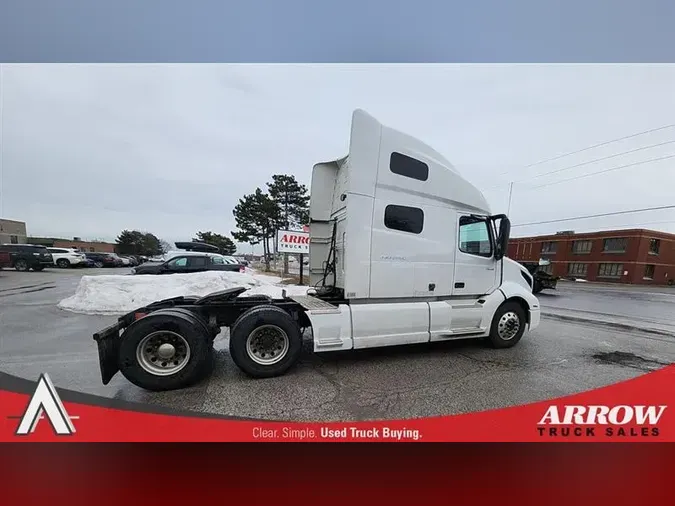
x=508 y=212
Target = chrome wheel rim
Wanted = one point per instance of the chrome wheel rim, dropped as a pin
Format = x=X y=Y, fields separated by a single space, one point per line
x=508 y=326
x=163 y=353
x=267 y=345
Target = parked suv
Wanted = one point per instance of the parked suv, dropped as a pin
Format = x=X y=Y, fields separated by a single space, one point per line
x=27 y=256
x=189 y=261
x=67 y=257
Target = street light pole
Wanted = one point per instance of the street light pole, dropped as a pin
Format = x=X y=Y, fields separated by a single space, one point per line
x=508 y=212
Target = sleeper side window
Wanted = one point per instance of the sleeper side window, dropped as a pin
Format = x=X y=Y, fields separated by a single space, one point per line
x=404 y=219
x=474 y=237
x=407 y=166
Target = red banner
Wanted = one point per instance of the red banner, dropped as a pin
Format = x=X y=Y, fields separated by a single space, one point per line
x=635 y=410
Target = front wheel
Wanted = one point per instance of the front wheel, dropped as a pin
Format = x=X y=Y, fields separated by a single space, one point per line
x=265 y=342
x=39 y=268
x=508 y=325
x=98 y=265
x=537 y=287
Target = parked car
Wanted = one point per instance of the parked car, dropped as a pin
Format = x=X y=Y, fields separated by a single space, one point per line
x=130 y=260
x=23 y=257
x=119 y=261
x=189 y=262
x=88 y=262
x=102 y=259
x=67 y=257
x=126 y=262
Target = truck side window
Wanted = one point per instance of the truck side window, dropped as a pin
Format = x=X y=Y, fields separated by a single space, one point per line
x=408 y=167
x=474 y=237
x=404 y=219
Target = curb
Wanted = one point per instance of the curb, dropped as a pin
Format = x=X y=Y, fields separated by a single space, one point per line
x=622 y=326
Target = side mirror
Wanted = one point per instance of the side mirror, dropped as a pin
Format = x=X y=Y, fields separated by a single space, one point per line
x=503 y=237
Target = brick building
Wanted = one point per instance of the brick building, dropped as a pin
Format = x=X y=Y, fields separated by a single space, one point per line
x=634 y=256
x=88 y=246
x=12 y=232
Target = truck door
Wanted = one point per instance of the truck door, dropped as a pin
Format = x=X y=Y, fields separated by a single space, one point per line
x=476 y=270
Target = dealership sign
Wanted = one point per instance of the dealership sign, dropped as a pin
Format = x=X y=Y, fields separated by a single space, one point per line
x=292 y=241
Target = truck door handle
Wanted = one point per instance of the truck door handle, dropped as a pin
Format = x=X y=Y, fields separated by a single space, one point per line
x=490 y=268
x=459 y=285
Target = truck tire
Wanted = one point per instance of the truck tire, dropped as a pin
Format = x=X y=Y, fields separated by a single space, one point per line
x=537 y=288
x=508 y=325
x=21 y=265
x=265 y=342
x=169 y=349
x=62 y=263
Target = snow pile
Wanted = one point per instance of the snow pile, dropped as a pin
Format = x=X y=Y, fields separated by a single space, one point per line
x=118 y=294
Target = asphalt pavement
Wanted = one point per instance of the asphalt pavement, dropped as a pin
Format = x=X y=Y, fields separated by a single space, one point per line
x=644 y=307
x=561 y=357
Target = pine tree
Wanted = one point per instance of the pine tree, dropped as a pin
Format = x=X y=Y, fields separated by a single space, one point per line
x=224 y=244
x=256 y=216
x=134 y=242
x=292 y=202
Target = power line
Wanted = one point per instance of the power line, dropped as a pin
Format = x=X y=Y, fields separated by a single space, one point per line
x=600 y=144
x=601 y=172
x=615 y=213
x=641 y=223
x=595 y=146
x=613 y=227
x=596 y=160
x=581 y=176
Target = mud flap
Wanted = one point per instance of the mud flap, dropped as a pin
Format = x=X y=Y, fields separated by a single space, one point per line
x=108 y=343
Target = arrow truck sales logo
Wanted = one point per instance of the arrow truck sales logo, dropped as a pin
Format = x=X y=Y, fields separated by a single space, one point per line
x=46 y=401
x=608 y=421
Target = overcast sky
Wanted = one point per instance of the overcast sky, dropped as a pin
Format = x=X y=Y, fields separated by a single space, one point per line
x=89 y=150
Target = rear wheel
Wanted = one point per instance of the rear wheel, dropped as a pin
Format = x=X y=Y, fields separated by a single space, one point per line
x=98 y=265
x=62 y=263
x=265 y=342
x=166 y=350
x=21 y=265
x=508 y=325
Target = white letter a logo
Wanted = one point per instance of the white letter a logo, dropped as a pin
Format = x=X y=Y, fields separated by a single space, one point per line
x=47 y=400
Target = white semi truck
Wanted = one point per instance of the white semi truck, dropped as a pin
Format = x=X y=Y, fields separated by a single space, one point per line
x=403 y=250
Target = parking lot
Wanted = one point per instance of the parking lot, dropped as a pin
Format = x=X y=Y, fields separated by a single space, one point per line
x=589 y=337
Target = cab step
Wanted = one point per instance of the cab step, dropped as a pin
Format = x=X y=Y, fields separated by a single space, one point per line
x=315 y=305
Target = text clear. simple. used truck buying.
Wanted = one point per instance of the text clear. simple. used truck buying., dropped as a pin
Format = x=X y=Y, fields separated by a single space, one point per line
x=403 y=250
